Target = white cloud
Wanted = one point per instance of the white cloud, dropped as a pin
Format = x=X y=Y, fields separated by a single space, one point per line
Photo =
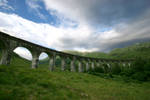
x=4 y=5
x=23 y=52
x=97 y=13
x=81 y=38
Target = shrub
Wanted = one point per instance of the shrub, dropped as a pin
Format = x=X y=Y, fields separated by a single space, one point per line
x=116 y=69
x=106 y=69
x=140 y=76
x=140 y=70
x=99 y=70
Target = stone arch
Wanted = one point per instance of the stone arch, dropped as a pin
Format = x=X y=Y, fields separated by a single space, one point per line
x=58 y=61
x=87 y=64
x=80 y=65
x=34 y=52
x=52 y=58
x=44 y=59
x=63 y=62
x=24 y=52
x=25 y=55
x=67 y=62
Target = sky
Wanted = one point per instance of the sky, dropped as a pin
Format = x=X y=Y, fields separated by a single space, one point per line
x=81 y=25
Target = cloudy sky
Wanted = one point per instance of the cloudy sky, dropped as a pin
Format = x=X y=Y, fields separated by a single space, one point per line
x=83 y=25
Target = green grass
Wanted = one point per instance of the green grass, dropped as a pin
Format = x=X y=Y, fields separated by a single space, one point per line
x=19 y=82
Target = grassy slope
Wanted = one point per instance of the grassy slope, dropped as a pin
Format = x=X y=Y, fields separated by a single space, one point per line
x=137 y=50
x=19 y=82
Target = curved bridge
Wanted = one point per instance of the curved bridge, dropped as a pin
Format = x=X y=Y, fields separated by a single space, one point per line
x=9 y=43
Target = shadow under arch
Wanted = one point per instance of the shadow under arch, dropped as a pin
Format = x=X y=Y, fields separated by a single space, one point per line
x=58 y=61
x=68 y=63
x=2 y=46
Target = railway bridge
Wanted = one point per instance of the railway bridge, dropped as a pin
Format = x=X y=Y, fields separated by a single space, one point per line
x=8 y=43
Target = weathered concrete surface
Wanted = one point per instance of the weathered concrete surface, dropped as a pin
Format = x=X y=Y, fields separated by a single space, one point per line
x=72 y=64
x=52 y=61
x=62 y=63
x=87 y=66
x=35 y=58
x=6 y=57
x=80 y=67
x=92 y=65
x=7 y=52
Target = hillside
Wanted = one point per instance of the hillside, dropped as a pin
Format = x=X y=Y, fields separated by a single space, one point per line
x=19 y=82
x=133 y=51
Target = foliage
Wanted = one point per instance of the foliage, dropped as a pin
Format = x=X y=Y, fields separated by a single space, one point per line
x=116 y=69
x=23 y=83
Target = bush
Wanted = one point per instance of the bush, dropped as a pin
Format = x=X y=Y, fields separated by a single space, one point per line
x=127 y=72
x=140 y=70
x=138 y=65
x=99 y=70
x=140 y=76
x=116 y=69
x=106 y=68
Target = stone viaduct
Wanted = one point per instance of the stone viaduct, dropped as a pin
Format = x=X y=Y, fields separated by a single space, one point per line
x=9 y=43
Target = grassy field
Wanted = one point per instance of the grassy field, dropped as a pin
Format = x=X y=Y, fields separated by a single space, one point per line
x=19 y=82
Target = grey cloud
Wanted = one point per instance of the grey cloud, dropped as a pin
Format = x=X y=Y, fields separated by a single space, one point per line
x=112 y=12
x=100 y=13
x=137 y=31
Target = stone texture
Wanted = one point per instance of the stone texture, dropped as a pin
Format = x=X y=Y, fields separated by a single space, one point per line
x=35 y=58
x=62 y=63
x=80 y=67
x=73 y=64
x=87 y=66
x=52 y=61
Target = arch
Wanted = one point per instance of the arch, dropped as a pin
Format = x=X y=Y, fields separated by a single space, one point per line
x=44 y=60
x=22 y=56
x=32 y=55
x=43 y=56
x=68 y=62
x=23 y=52
x=58 y=61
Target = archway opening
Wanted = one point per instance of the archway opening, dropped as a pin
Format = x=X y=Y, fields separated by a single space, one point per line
x=58 y=62
x=43 y=60
x=22 y=57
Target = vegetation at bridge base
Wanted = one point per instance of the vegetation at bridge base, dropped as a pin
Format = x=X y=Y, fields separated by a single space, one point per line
x=19 y=82
x=138 y=70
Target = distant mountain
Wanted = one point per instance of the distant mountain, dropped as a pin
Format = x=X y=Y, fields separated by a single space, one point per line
x=133 y=51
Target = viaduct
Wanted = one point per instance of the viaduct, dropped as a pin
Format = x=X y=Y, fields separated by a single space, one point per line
x=9 y=43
